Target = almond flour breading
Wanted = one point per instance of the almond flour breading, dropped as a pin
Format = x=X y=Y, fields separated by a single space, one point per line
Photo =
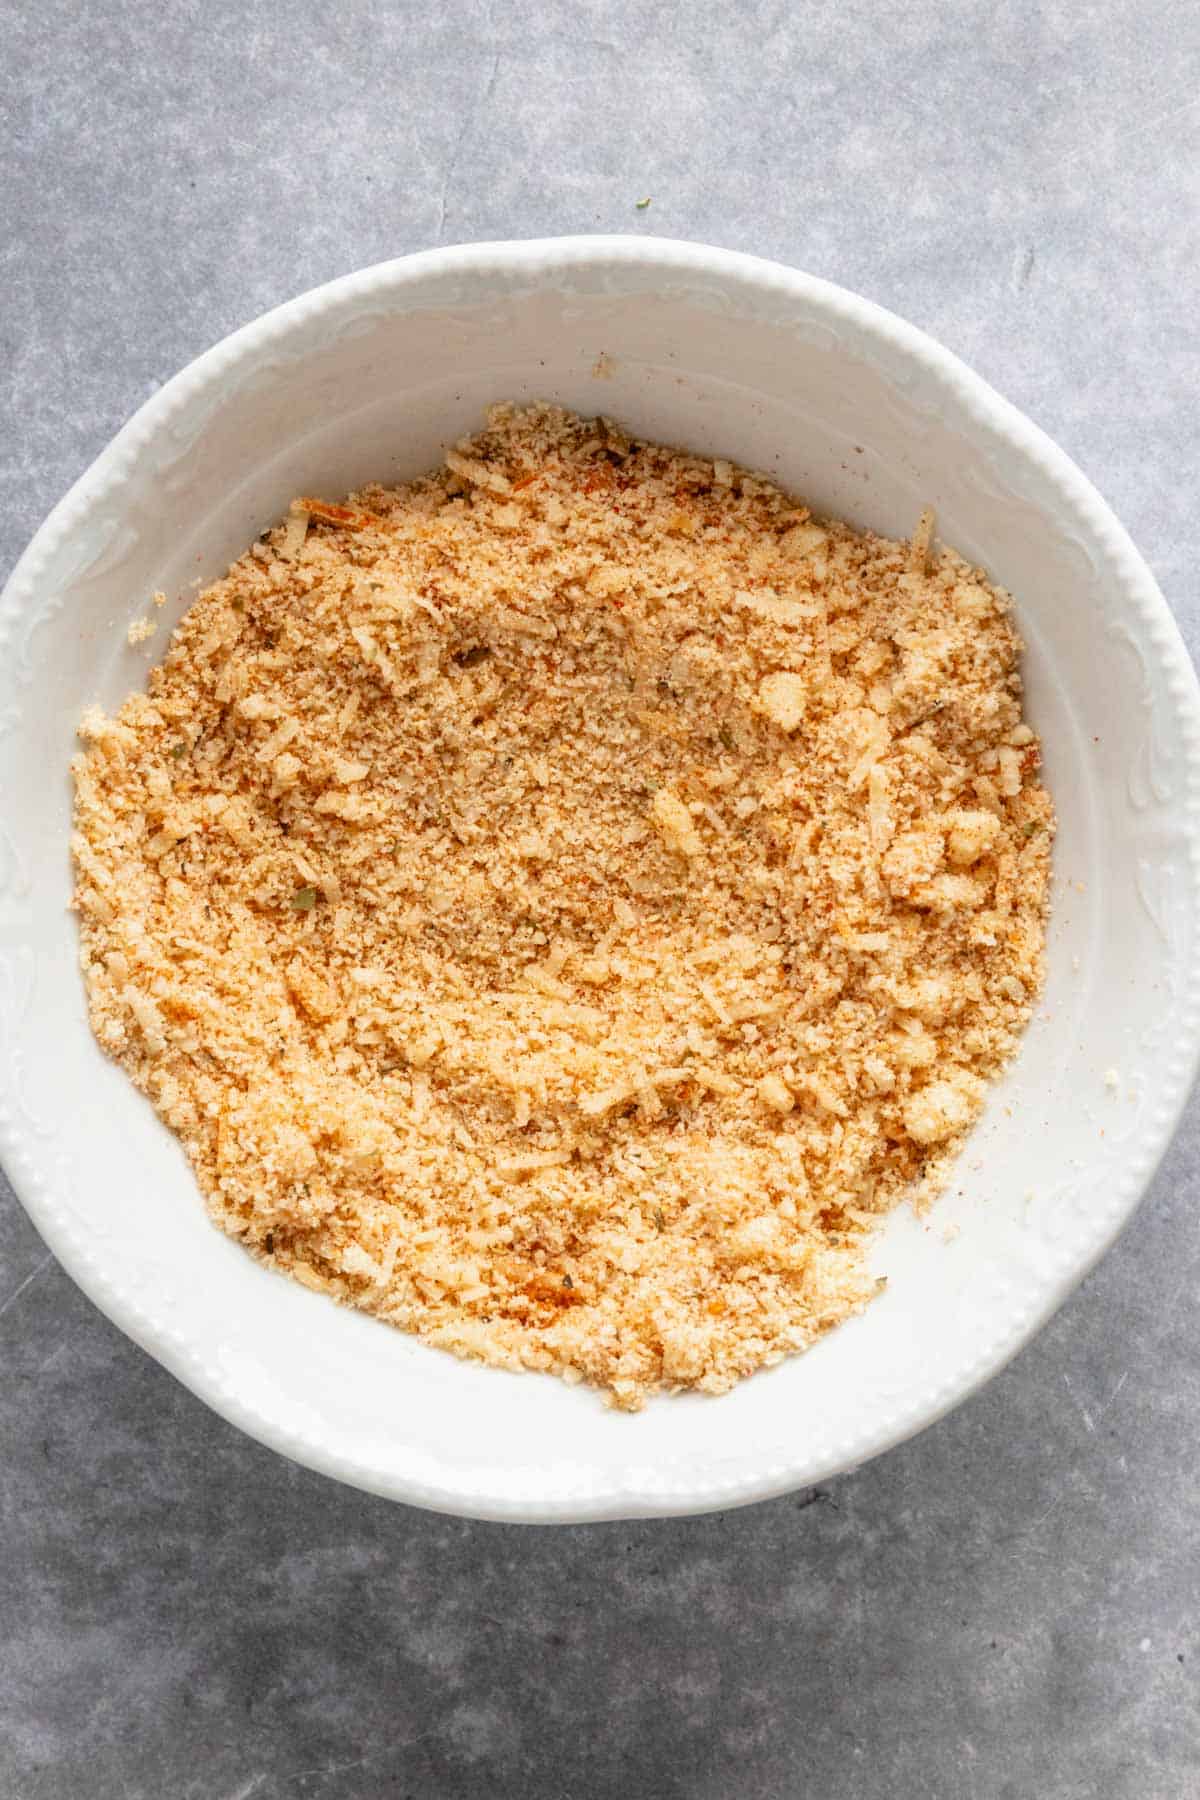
x=562 y=904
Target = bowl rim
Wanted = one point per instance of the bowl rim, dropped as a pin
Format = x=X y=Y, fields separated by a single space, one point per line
x=732 y=269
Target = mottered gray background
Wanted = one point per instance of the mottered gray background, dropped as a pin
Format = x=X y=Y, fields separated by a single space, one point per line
x=1006 y=1606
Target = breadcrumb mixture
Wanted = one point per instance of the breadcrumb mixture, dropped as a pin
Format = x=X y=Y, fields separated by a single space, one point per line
x=562 y=904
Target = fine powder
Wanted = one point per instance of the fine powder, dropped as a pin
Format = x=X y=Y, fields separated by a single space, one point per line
x=562 y=904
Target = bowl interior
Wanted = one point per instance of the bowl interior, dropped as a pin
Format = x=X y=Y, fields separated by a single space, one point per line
x=373 y=379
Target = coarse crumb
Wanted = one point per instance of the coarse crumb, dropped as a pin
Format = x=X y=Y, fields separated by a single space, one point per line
x=139 y=631
x=562 y=904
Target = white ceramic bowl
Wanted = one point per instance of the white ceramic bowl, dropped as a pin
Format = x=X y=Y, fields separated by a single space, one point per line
x=372 y=376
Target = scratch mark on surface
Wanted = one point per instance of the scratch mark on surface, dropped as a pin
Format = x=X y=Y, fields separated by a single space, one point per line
x=1121 y=1380
x=537 y=1637
x=1043 y=1516
x=21 y=1286
x=245 y=1792
x=476 y=106
x=1133 y=129
x=1085 y=1414
x=336 y=1768
x=359 y=1762
x=1024 y=267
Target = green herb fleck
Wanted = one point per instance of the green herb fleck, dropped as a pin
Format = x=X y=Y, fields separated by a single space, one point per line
x=567 y=1282
x=726 y=737
x=238 y=604
x=468 y=659
x=304 y=899
x=1034 y=826
x=178 y=751
x=643 y=204
x=659 y=1219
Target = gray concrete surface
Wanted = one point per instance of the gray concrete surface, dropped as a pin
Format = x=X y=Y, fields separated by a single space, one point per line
x=1006 y=1607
